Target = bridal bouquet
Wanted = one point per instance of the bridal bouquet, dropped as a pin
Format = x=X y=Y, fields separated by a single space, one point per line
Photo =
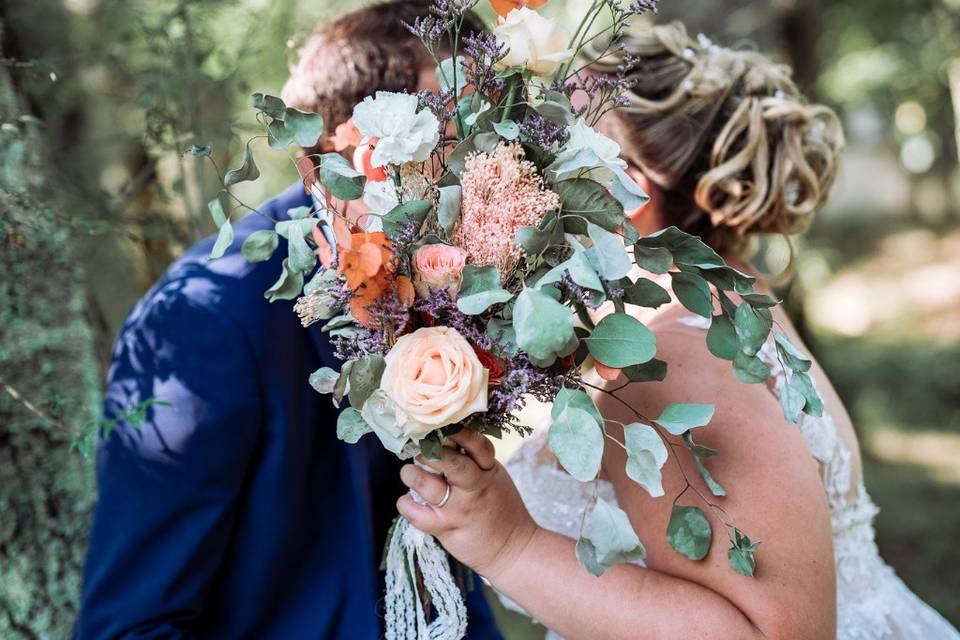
x=496 y=228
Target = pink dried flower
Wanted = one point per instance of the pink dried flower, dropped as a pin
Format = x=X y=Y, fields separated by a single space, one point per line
x=501 y=193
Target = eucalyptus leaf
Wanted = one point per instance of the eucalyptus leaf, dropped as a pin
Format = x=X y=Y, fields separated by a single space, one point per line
x=304 y=128
x=351 y=426
x=792 y=401
x=722 y=338
x=750 y=369
x=544 y=327
x=480 y=289
x=288 y=286
x=693 y=292
x=689 y=532
x=223 y=241
x=584 y=201
x=686 y=249
x=448 y=207
x=270 y=105
x=260 y=245
x=611 y=538
x=219 y=209
x=645 y=293
x=577 y=441
x=679 y=418
x=365 y=378
x=653 y=259
x=508 y=129
x=247 y=172
x=534 y=240
x=653 y=371
x=646 y=455
x=447 y=70
x=742 y=553
x=324 y=379
x=752 y=329
x=608 y=253
x=340 y=178
x=711 y=483
x=759 y=300
x=342 y=386
x=415 y=210
x=577 y=398
x=620 y=340
x=804 y=384
x=791 y=356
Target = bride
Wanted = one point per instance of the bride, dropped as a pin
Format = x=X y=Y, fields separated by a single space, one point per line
x=727 y=147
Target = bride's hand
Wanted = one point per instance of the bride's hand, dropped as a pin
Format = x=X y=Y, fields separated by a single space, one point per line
x=484 y=523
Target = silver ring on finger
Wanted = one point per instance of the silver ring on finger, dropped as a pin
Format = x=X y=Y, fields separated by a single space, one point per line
x=445 y=498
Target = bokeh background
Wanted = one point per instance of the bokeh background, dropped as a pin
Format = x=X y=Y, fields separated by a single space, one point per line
x=100 y=98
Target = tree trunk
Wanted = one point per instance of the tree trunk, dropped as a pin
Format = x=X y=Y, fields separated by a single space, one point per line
x=48 y=384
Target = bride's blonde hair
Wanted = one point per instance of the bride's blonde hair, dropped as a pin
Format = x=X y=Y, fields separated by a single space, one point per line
x=726 y=136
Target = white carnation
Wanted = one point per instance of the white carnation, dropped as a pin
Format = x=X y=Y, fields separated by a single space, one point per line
x=403 y=134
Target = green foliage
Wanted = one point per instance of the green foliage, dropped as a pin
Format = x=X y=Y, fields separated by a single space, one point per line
x=480 y=289
x=260 y=245
x=646 y=455
x=620 y=340
x=365 y=378
x=742 y=553
x=351 y=426
x=607 y=539
x=584 y=201
x=544 y=327
x=689 y=532
x=679 y=418
x=577 y=441
x=340 y=178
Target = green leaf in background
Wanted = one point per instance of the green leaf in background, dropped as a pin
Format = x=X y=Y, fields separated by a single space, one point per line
x=752 y=329
x=791 y=356
x=340 y=178
x=365 y=378
x=646 y=455
x=742 y=553
x=750 y=369
x=544 y=327
x=248 y=171
x=480 y=289
x=278 y=136
x=679 y=418
x=300 y=256
x=200 y=151
x=351 y=426
x=653 y=259
x=584 y=201
x=508 y=129
x=693 y=292
x=607 y=539
x=270 y=105
x=689 y=532
x=645 y=293
x=223 y=241
x=324 y=379
x=608 y=253
x=219 y=208
x=575 y=398
x=415 y=210
x=556 y=108
x=304 y=128
x=722 y=338
x=577 y=441
x=804 y=384
x=620 y=340
x=288 y=286
x=260 y=245
x=448 y=207
x=653 y=371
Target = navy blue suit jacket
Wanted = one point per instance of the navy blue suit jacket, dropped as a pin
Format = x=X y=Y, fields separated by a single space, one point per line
x=235 y=512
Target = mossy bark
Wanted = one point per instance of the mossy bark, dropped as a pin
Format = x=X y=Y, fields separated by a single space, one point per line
x=48 y=388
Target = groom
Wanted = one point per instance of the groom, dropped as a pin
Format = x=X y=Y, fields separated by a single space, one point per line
x=234 y=511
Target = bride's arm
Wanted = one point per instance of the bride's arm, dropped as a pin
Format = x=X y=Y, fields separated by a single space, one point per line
x=775 y=496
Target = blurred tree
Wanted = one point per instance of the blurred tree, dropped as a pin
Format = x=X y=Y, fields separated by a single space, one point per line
x=47 y=377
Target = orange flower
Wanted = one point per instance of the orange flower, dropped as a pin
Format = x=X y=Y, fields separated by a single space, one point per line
x=363 y=162
x=345 y=136
x=503 y=7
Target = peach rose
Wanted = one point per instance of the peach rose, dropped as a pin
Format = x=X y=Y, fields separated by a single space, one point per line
x=438 y=266
x=434 y=379
x=535 y=42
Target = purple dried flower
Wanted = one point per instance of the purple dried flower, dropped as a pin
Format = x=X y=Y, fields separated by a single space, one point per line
x=542 y=132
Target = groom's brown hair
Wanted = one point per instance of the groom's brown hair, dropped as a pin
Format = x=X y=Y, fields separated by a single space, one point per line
x=359 y=53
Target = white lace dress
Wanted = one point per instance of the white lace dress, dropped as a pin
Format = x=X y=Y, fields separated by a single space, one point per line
x=872 y=602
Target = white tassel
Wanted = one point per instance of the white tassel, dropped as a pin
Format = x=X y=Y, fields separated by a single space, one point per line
x=410 y=549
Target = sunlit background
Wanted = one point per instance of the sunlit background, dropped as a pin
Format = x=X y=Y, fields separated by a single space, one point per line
x=99 y=98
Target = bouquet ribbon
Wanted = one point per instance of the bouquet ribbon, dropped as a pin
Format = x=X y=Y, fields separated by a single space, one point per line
x=409 y=551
